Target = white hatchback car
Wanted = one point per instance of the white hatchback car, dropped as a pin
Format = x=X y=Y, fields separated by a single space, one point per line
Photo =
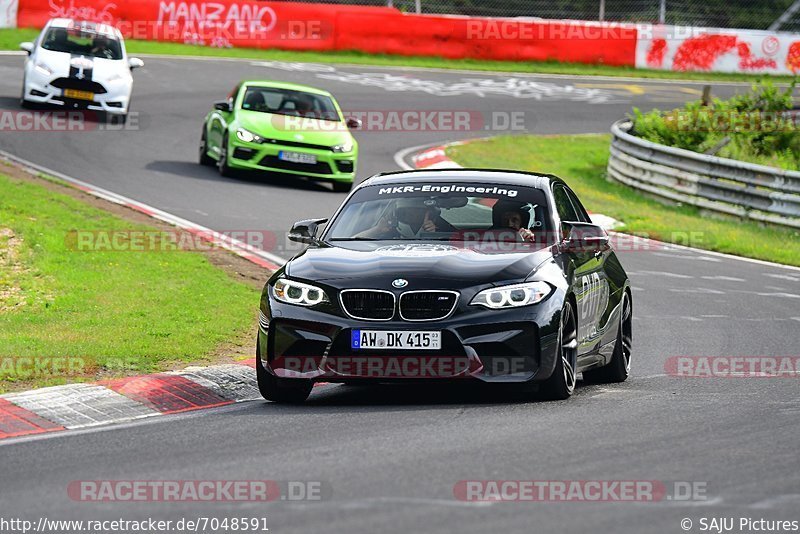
x=78 y=64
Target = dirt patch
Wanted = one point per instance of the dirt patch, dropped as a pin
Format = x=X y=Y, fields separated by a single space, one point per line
x=11 y=268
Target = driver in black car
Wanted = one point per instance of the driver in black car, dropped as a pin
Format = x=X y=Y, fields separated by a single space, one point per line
x=411 y=218
x=513 y=215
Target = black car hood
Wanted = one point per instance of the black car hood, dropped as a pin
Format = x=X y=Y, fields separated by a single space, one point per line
x=424 y=265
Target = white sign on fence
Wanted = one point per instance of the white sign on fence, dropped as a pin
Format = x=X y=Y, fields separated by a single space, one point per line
x=8 y=13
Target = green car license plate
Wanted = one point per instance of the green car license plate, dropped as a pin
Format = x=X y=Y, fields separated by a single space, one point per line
x=297 y=157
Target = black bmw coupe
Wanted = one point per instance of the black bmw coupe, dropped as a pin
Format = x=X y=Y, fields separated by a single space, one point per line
x=493 y=276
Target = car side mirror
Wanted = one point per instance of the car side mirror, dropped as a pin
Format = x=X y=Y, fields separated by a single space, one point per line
x=306 y=231
x=135 y=63
x=354 y=124
x=223 y=105
x=26 y=47
x=584 y=237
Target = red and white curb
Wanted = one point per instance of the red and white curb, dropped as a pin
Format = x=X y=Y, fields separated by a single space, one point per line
x=240 y=248
x=121 y=400
x=436 y=158
x=76 y=406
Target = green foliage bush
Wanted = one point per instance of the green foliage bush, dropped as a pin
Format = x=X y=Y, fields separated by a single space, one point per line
x=755 y=126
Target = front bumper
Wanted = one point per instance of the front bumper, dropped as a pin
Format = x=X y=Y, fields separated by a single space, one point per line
x=39 y=89
x=506 y=346
x=330 y=166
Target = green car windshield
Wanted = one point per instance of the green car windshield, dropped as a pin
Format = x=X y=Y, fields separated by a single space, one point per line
x=290 y=102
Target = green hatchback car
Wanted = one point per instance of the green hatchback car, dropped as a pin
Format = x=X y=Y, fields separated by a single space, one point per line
x=285 y=128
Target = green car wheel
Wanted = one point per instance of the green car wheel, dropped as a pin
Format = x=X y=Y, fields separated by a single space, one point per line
x=205 y=159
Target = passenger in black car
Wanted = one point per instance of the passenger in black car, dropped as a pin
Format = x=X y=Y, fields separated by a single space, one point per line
x=514 y=215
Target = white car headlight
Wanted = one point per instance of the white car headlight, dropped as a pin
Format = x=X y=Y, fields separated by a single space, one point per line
x=42 y=68
x=247 y=136
x=344 y=147
x=513 y=296
x=298 y=293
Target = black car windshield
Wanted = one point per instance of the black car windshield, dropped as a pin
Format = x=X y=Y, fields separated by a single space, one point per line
x=290 y=102
x=82 y=43
x=456 y=212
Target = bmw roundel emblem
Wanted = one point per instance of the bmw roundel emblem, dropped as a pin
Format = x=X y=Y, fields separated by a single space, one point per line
x=400 y=283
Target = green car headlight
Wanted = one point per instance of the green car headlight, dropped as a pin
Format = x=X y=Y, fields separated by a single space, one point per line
x=513 y=296
x=247 y=136
x=344 y=147
x=298 y=293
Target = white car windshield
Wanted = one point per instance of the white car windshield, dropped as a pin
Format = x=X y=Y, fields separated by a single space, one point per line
x=82 y=43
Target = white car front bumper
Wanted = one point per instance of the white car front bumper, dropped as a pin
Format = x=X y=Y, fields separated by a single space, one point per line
x=39 y=89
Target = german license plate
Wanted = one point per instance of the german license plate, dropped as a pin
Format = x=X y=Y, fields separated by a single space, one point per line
x=297 y=157
x=396 y=340
x=78 y=95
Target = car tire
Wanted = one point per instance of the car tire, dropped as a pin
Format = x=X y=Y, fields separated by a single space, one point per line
x=342 y=187
x=222 y=163
x=25 y=104
x=619 y=368
x=281 y=390
x=205 y=159
x=561 y=383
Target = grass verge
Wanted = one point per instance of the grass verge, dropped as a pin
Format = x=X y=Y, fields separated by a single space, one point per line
x=581 y=161
x=10 y=39
x=84 y=315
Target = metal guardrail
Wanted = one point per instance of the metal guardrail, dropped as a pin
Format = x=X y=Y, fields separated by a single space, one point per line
x=724 y=185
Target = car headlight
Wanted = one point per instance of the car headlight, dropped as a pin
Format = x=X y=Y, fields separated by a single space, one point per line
x=513 y=296
x=344 y=147
x=298 y=293
x=247 y=136
x=43 y=68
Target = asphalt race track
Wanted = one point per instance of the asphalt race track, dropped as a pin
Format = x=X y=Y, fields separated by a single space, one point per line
x=390 y=457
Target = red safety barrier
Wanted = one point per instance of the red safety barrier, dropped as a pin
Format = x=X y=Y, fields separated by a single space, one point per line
x=300 y=26
x=222 y=24
x=480 y=38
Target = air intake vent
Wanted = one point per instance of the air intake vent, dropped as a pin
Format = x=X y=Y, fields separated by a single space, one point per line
x=427 y=305
x=369 y=305
x=80 y=85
